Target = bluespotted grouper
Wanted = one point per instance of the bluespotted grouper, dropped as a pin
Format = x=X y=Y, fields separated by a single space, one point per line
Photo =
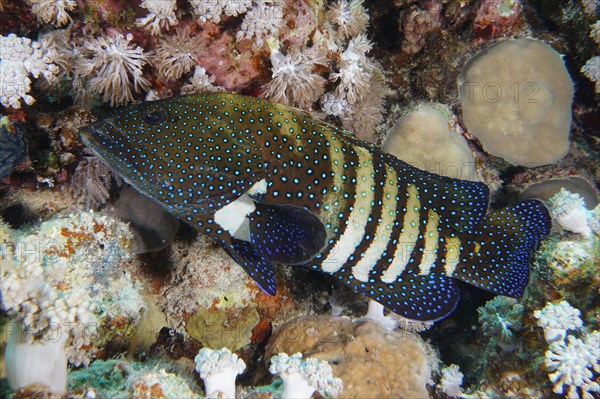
x=274 y=185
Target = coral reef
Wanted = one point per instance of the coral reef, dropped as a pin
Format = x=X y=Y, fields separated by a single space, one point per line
x=63 y=278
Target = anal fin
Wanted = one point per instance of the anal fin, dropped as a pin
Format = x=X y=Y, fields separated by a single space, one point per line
x=419 y=297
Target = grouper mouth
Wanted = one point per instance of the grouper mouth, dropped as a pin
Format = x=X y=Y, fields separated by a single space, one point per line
x=95 y=136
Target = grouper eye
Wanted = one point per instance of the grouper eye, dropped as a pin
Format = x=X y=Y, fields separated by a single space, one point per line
x=154 y=117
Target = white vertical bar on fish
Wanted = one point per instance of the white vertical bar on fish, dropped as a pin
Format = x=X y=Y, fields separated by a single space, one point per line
x=359 y=216
x=384 y=229
x=430 y=247
x=408 y=237
x=453 y=248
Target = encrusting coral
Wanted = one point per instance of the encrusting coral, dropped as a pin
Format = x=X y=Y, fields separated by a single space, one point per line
x=516 y=99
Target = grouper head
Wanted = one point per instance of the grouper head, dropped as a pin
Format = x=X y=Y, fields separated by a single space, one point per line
x=192 y=154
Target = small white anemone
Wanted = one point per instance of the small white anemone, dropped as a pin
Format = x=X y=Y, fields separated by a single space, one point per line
x=451 y=381
x=301 y=378
x=218 y=369
x=392 y=321
x=569 y=210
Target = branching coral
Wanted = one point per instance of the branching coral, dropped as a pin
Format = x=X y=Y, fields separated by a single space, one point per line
x=573 y=364
x=161 y=15
x=295 y=81
x=19 y=58
x=53 y=11
x=113 y=65
x=176 y=55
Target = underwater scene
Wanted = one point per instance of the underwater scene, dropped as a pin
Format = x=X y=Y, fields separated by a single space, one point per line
x=265 y=199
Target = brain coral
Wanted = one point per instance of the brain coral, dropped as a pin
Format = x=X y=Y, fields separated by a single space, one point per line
x=516 y=99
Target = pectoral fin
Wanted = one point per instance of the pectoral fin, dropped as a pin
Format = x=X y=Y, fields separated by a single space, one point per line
x=286 y=234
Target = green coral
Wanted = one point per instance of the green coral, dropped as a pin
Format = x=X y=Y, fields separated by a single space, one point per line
x=223 y=328
x=500 y=318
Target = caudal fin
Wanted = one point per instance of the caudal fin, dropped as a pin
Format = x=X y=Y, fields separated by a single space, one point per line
x=499 y=254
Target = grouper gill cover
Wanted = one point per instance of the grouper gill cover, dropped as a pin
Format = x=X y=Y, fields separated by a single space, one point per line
x=274 y=185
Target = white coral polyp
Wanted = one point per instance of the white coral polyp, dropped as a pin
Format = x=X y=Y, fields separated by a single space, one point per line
x=161 y=15
x=451 y=381
x=302 y=377
x=294 y=81
x=53 y=11
x=19 y=58
x=212 y=11
x=261 y=22
x=113 y=66
x=557 y=319
x=218 y=369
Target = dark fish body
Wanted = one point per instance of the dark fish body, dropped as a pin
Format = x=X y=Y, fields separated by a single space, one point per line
x=274 y=185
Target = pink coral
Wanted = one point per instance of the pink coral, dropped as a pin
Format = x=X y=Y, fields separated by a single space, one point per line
x=234 y=65
x=418 y=24
x=495 y=18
